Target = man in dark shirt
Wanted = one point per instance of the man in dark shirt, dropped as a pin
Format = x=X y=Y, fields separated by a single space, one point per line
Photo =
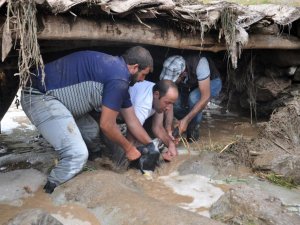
x=76 y=84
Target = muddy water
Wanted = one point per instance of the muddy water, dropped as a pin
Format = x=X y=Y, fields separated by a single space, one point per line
x=216 y=130
x=194 y=192
x=69 y=214
x=225 y=128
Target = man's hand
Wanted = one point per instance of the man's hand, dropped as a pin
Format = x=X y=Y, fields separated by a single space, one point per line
x=182 y=125
x=167 y=156
x=172 y=149
x=133 y=154
x=175 y=140
x=175 y=135
x=171 y=153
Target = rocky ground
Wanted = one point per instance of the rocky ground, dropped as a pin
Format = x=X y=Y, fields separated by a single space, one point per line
x=213 y=181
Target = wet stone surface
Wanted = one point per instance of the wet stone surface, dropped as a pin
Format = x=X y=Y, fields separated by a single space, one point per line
x=180 y=192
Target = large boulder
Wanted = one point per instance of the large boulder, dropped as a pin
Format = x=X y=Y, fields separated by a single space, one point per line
x=268 y=89
x=276 y=149
x=18 y=184
x=245 y=205
x=33 y=217
x=115 y=199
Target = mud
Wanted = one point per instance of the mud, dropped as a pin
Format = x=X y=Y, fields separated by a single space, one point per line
x=66 y=213
x=180 y=192
x=276 y=148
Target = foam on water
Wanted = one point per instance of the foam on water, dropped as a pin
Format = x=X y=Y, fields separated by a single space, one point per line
x=200 y=188
x=70 y=220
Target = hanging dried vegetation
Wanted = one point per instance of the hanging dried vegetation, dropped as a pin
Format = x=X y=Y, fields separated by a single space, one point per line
x=21 y=26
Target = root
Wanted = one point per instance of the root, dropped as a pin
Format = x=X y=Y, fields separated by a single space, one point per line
x=21 y=17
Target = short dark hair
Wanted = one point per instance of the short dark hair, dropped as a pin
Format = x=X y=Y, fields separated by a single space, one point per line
x=163 y=86
x=138 y=55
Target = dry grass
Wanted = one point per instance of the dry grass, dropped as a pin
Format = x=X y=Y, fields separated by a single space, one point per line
x=257 y=2
x=21 y=17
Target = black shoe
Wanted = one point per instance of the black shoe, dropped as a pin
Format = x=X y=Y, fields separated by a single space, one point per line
x=193 y=133
x=49 y=187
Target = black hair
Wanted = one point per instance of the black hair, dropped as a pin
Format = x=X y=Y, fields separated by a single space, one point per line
x=138 y=55
x=163 y=86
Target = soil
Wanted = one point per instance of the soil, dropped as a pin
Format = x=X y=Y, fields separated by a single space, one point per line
x=195 y=180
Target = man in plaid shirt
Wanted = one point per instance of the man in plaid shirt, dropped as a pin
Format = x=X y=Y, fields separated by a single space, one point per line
x=198 y=81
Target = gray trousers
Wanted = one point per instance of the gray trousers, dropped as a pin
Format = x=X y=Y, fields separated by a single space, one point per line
x=70 y=138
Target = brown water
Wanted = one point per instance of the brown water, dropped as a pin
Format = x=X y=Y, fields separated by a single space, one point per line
x=216 y=131
x=41 y=200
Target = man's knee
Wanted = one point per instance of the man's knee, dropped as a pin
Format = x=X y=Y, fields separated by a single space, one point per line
x=78 y=155
x=83 y=156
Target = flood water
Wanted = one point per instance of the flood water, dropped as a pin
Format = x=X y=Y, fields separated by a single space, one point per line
x=192 y=192
x=69 y=214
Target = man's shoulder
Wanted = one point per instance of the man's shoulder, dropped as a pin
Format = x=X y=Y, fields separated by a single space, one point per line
x=84 y=53
x=141 y=92
x=144 y=85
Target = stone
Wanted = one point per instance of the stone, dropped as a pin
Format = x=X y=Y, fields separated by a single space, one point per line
x=33 y=217
x=246 y=205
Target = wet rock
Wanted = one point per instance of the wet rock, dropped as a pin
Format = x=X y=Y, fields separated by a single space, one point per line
x=211 y=164
x=41 y=161
x=265 y=109
x=115 y=199
x=245 y=205
x=202 y=164
x=268 y=89
x=3 y=149
x=33 y=217
x=18 y=184
x=277 y=144
x=286 y=165
x=274 y=71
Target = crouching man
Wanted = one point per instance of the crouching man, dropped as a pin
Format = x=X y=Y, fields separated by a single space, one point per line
x=149 y=99
x=75 y=85
x=198 y=80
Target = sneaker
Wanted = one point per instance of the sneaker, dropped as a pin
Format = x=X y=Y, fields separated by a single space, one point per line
x=193 y=133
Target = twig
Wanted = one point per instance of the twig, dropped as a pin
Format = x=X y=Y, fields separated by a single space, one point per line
x=231 y=143
x=283 y=148
x=138 y=18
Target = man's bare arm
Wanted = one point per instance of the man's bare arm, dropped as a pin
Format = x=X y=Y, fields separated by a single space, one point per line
x=204 y=88
x=134 y=126
x=160 y=132
x=111 y=130
x=169 y=116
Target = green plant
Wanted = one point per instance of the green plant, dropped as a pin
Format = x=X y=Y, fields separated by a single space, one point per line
x=281 y=180
x=88 y=168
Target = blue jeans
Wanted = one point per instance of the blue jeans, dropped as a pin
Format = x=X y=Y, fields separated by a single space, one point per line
x=68 y=136
x=181 y=109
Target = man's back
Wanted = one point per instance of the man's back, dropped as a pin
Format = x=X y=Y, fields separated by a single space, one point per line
x=141 y=95
x=79 y=80
x=81 y=67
